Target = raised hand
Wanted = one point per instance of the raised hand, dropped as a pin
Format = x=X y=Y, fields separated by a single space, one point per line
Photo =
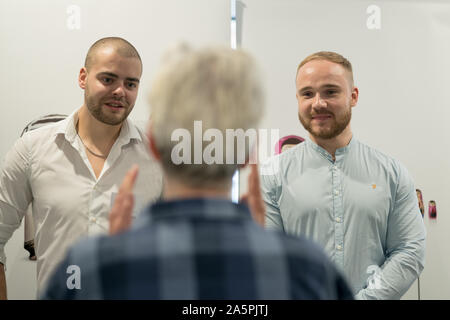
x=253 y=196
x=120 y=216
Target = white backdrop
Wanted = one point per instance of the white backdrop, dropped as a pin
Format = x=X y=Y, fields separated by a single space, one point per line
x=400 y=55
x=44 y=44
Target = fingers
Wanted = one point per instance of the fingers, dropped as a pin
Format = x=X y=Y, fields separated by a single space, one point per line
x=253 y=182
x=253 y=197
x=120 y=216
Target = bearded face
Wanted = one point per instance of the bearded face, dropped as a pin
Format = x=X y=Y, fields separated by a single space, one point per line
x=325 y=124
x=325 y=97
x=111 y=86
x=109 y=109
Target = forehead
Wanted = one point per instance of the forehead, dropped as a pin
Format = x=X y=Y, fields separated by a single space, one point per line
x=319 y=72
x=107 y=59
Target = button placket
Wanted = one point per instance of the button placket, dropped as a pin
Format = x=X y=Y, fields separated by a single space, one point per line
x=338 y=215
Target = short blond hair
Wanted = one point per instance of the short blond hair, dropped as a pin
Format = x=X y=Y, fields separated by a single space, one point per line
x=328 y=56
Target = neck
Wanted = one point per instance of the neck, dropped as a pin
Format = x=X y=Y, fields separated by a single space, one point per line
x=95 y=133
x=176 y=190
x=331 y=145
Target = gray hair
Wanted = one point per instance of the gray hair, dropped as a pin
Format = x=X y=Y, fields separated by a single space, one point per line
x=220 y=87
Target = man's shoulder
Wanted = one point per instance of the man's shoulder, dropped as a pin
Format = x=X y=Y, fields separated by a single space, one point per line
x=39 y=134
x=44 y=132
x=293 y=248
x=85 y=247
x=378 y=156
x=309 y=267
x=93 y=254
x=276 y=164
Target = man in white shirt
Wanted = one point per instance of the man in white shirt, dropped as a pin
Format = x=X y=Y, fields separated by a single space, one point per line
x=70 y=171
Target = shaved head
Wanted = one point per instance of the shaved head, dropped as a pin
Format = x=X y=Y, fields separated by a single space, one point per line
x=121 y=46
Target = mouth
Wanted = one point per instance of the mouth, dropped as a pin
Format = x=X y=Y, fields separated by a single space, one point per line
x=114 y=105
x=322 y=117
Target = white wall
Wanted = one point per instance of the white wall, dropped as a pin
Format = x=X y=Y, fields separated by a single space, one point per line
x=402 y=72
x=43 y=51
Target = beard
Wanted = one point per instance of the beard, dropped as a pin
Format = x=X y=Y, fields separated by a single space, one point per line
x=95 y=107
x=337 y=127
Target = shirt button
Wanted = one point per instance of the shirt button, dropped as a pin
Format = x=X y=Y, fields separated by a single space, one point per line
x=339 y=247
x=93 y=219
x=336 y=192
x=338 y=219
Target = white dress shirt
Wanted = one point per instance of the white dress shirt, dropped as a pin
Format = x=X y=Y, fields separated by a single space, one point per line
x=49 y=168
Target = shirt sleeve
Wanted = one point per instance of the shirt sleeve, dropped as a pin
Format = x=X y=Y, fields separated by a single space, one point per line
x=405 y=245
x=15 y=192
x=270 y=193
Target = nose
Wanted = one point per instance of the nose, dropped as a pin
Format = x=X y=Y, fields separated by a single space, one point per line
x=318 y=102
x=119 y=91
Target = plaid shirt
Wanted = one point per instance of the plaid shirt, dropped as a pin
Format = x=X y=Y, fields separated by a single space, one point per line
x=196 y=249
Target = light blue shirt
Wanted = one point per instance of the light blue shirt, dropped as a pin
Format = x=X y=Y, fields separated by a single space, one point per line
x=362 y=208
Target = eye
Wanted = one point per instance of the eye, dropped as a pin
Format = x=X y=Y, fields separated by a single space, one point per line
x=331 y=92
x=107 y=80
x=131 y=85
x=307 y=94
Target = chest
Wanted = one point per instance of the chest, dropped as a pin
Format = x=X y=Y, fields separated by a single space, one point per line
x=330 y=193
x=97 y=164
x=62 y=183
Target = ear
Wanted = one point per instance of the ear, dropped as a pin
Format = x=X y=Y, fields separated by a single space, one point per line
x=82 y=78
x=152 y=144
x=354 y=97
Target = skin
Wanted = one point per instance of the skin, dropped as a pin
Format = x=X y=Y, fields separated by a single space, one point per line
x=325 y=96
x=111 y=79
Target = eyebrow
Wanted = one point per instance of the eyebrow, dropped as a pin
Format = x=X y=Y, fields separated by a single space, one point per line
x=113 y=75
x=325 y=86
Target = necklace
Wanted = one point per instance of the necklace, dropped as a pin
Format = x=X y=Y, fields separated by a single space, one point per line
x=92 y=152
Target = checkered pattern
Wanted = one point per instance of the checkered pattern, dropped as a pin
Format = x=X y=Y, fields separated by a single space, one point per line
x=198 y=249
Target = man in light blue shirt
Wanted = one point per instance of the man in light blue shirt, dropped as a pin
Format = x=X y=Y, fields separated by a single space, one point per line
x=355 y=201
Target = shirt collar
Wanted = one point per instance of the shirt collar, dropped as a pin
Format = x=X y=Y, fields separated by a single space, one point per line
x=339 y=152
x=67 y=128
x=210 y=208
